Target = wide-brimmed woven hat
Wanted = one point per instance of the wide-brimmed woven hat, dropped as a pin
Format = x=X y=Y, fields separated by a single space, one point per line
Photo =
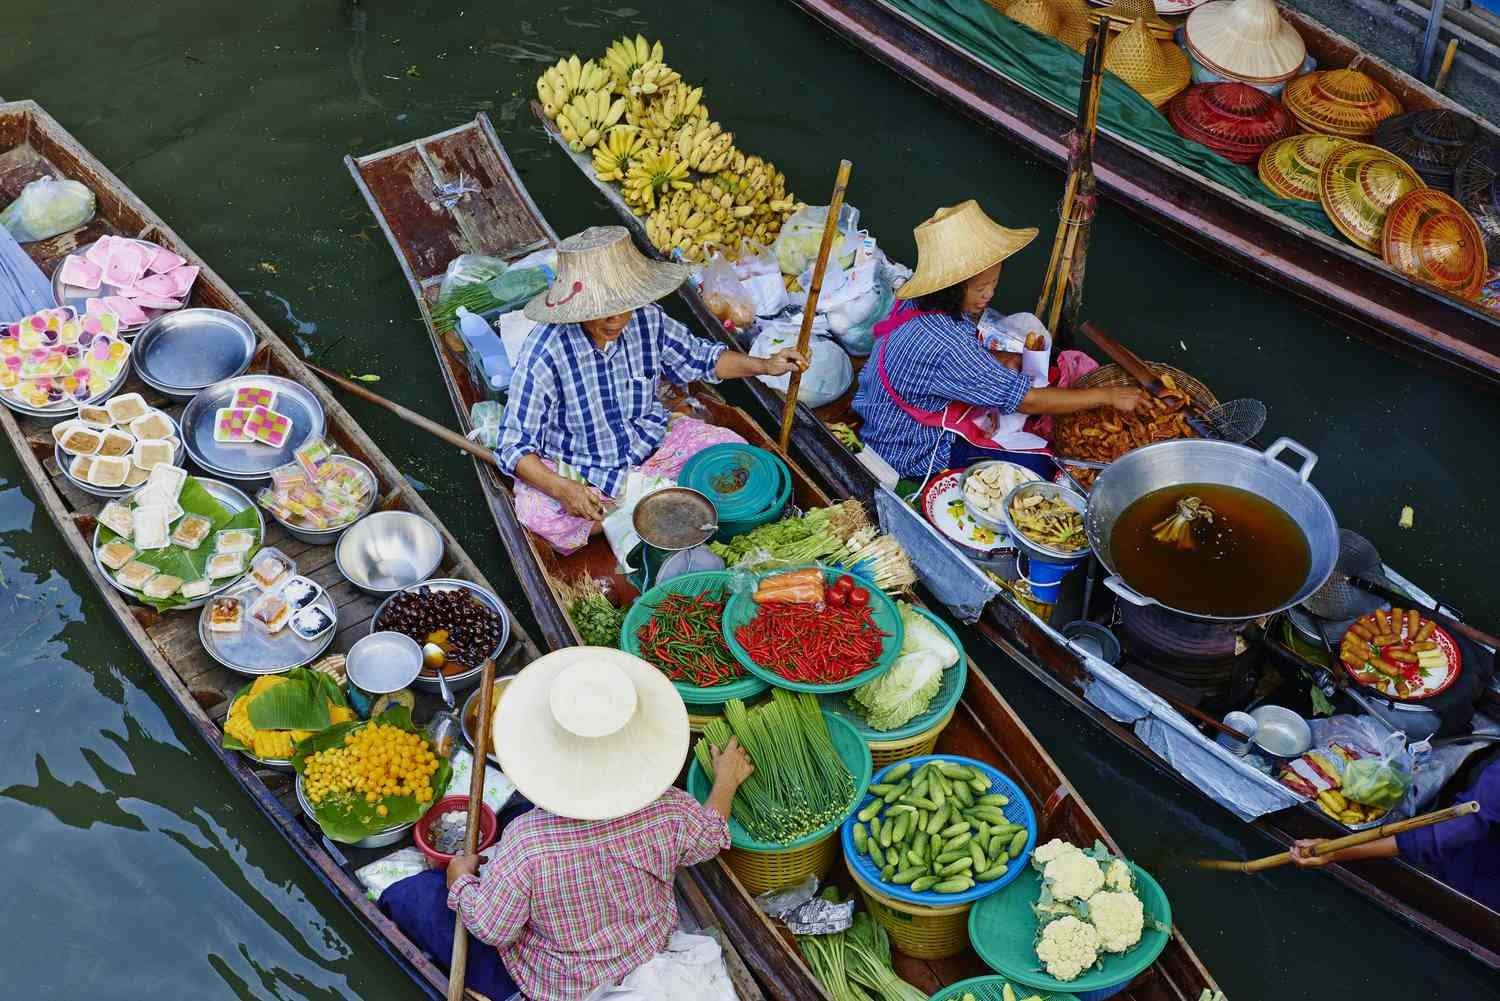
x=1430 y=237
x=1038 y=15
x=1343 y=102
x=1476 y=185
x=591 y=733
x=1235 y=120
x=956 y=244
x=1358 y=185
x=599 y=274
x=1432 y=140
x=1121 y=14
x=1291 y=167
x=1245 y=40
x=1156 y=69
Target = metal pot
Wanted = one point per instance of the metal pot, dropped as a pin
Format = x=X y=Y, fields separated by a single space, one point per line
x=1198 y=460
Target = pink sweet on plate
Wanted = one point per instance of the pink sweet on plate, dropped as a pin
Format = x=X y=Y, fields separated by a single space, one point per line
x=160 y=285
x=157 y=302
x=81 y=272
x=98 y=254
x=163 y=261
x=129 y=313
x=184 y=277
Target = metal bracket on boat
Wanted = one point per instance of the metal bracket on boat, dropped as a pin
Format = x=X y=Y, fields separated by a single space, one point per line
x=450 y=193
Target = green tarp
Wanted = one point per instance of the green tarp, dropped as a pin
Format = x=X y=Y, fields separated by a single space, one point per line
x=1051 y=70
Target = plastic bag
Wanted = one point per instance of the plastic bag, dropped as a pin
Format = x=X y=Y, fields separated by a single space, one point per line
x=759 y=273
x=46 y=207
x=853 y=322
x=1382 y=779
x=725 y=297
x=470 y=269
x=829 y=370
x=797 y=244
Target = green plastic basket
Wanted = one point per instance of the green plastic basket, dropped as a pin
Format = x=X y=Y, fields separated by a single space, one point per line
x=852 y=752
x=954 y=679
x=741 y=608
x=1002 y=928
x=640 y=613
x=990 y=989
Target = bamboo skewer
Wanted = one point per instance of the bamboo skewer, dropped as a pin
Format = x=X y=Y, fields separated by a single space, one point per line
x=458 y=964
x=1348 y=841
x=809 y=311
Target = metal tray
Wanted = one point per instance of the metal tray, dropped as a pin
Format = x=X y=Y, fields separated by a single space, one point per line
x=247 y=462
x=252 y=651
x=464 y=679
x=231 y=497
x=77 y=298
x=186 y=350
x=382 y=840
x=63 y=459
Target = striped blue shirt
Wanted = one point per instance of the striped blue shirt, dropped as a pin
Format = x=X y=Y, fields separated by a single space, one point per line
x=597 y=410
x=930 y=360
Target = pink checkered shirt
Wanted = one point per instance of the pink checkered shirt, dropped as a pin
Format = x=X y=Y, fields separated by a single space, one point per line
x=572 y=904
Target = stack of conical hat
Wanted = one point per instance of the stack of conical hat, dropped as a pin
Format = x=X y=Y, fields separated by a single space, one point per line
x=1121 y=14
x=1157 y=70
x=1429 y=236
x=1038 y=15
x=1358 y=184
x=1245 y=40
x=1074 y=26
x=1343 y=102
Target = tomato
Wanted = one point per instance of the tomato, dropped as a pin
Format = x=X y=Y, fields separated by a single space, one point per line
x=858 y=597
x=844 y=584
x=835 y=598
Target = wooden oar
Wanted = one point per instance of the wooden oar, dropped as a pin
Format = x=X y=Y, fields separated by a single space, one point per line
x=460 y=960
x=809 y=311
x=411 y=417
x=1348 y=841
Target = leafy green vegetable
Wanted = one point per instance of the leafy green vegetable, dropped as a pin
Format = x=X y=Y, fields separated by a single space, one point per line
x=598 y=621
x=819 y=533
x=905 y=691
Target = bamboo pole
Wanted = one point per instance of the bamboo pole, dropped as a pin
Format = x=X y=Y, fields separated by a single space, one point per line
x=809 y=311
x=459 y=962
x=1348 y=841
x=1447 y=66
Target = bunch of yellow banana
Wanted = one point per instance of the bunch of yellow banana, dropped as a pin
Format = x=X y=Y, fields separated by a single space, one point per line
x=755 y=188
x=568 y=79
x=652 y=174
x=678 y=224
x=624 y=56
x=663 y=116
x=617 y=151
x=584 y=120
x=705 y=146
x=651 y=79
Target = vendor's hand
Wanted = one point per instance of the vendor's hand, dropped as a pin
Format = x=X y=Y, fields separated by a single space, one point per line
x=1302 y=853
x=579 y=499
x=1009 y=359
x=732 y=764
x=462 y=865
x=1124 y=398
x=784 y=361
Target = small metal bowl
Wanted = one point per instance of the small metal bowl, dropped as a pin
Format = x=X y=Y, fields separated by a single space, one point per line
x=326 y=536
x=471 y=716
x=1280 y=732
x=381 y=840
x=1037 y=550
x=988 y=520
x=1094 y=638
x=388 y=551
x=470 y=677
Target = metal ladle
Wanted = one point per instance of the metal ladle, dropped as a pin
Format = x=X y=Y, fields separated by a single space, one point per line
x=444 y=729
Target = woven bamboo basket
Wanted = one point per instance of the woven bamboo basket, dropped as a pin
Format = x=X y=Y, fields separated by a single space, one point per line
x=888 y=752
x=1114 y=375
x=760 y=871
x=920 y=931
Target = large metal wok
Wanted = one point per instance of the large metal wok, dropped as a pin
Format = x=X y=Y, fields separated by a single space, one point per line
x=1196 y=460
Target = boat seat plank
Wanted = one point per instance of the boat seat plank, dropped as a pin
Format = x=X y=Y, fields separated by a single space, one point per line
x=495 y=219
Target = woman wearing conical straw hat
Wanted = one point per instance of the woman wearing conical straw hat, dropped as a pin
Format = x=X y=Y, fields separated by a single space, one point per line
x=583 y=406
x=924 y=391
x=579 y=890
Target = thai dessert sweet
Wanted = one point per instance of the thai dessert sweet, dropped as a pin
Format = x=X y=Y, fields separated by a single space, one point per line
x=116 y=554
x=191 y=531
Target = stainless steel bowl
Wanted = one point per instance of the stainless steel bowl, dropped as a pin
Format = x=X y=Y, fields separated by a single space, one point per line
x=186 y=350
x=1280 y=732
x=1036 y=550
x=381 y=840
x=326 y=536
x=388 y=551
x=463 y=679
x=984 y=518
x=471 y=705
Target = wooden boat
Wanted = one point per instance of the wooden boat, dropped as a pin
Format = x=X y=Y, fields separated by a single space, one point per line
x=1417 y=897
x=1350 y=287
x=501 y=220
x=33 y=144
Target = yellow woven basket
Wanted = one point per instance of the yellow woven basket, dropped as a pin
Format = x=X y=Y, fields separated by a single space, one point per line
x=888 y=752
x=697 y=723
x=761 y=871
x=918 y=930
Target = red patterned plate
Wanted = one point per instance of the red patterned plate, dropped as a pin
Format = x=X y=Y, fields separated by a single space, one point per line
x=1358 y=654
x=943 y=506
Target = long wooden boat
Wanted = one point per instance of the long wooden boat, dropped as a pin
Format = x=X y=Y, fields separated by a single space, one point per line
x=1355 y=289
x=1415 y=896
x=501 y=220
x=33 y=144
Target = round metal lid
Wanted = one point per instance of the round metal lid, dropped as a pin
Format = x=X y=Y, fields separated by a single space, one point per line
x=1358 y=185
x=1430 y=237
x=674 y=518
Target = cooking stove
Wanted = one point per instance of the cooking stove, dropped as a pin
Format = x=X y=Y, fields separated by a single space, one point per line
x=1211 y=659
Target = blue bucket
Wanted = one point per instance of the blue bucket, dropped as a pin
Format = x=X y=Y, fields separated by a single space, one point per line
x=1045 y=577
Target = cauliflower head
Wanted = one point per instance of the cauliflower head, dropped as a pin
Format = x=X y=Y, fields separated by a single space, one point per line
x=1073 y=876
x=1118 y=917
x=1117 y=876
x=1067 y=947
x=1051 y=850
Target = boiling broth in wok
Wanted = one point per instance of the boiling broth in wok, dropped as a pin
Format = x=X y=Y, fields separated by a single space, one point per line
x=1245 y=556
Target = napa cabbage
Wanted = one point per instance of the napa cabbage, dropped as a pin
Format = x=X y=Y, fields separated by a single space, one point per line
x=906 y=691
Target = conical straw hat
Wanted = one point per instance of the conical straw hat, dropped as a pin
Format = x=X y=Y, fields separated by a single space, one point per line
x=1432 y=141
x=1344 y=103
x=1245 y=40
x=1038 y=15
x=591 y=733
x=1121 y=14
x=956 y=244
x=1155 y=69
x=1291 y=167
x=1073 y=25
x=1358 y=185
x=1235 y=120
x=599 y=274
x=1430 y=237
x=1476 y=185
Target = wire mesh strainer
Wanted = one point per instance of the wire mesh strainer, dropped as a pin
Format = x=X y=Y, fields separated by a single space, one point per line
x=1236 y=421
x=1339 y=598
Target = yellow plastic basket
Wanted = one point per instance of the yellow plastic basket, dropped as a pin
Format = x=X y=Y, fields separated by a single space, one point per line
x=761 y=871
x=888 y=752
x=696 y=723
x=920 y=931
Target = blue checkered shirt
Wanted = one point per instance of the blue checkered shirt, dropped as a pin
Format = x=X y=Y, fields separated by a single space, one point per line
x=930 y=360
x=597 y=410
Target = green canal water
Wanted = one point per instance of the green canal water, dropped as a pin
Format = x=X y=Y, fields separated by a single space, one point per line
x=135 y=867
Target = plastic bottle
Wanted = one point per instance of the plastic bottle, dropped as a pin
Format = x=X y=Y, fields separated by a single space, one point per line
x=485 y=347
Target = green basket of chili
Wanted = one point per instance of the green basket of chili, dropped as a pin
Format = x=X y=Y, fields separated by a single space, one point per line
x=951 y=690
x=691 y=639
x=809 y=647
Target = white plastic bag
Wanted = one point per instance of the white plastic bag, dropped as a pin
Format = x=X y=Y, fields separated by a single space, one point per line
x=691 y=968
x=761 y=277
x=725 y=297
x=829 y=370
x=801 y=235
x=46 y=207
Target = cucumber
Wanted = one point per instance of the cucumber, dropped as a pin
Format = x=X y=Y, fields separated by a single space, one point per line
x=899 y=808
x=998 y=846
x=1017 y=844
x=922 y=883
x=957 y=866
x=899 y=772
x=991 y=874
x=876 y=855
x=963 y=794
x=860 y=838
x=955 y=885
x=977 y=854
x=936 y=794
x=875 y=826
x=913 y=857
x=887 y=873
x=887 y=834
x=880 y=789
x=907 y=875
x=920 y=802
x=962 y=827
x=952 y=855
x=870 y=811
x=901 y=825
x=938 y=822
x=993 y=799
x=934 y=844
x=991 y=813
x=958 y=841
x=953 y=770
x=980 y=783
x=896 y=792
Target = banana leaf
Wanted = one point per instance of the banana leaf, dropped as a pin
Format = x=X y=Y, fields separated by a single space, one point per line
x=191 y=564
x=349 y=818
x=300 y=703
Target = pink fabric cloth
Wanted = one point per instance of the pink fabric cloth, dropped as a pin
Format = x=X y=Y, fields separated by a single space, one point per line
x=1067 y=368
x=686 y=437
